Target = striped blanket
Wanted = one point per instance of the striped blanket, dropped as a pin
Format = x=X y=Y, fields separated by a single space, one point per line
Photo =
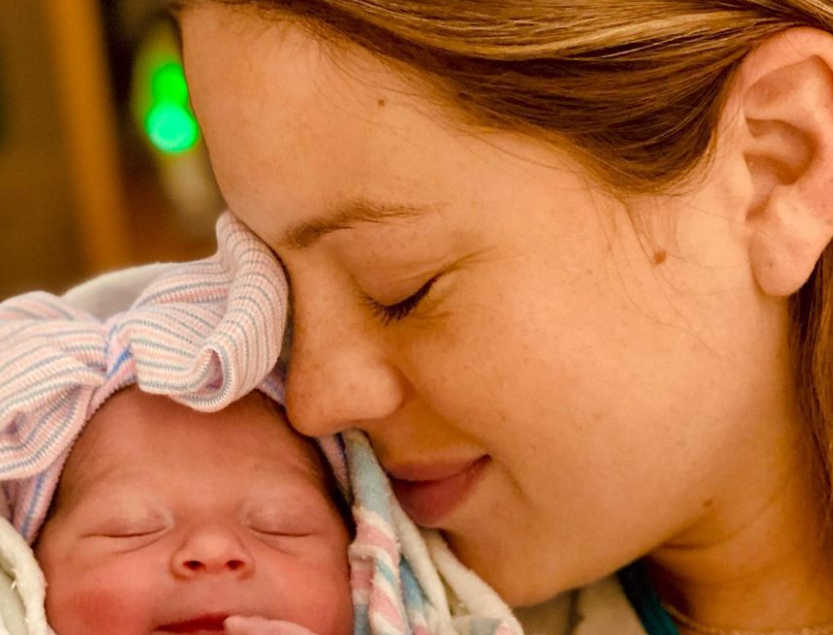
x=402 y=576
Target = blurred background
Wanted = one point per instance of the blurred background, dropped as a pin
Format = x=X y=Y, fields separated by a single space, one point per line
x=101 y=161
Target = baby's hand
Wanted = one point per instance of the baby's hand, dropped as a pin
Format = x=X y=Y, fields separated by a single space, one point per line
x=239 y=625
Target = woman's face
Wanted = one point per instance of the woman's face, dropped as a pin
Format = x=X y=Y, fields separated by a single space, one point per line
x=556 y=390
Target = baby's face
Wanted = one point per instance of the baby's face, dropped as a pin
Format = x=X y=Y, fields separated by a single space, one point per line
x=168 y=520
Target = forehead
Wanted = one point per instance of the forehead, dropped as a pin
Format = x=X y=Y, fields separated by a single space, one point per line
x=279 y=109
x=297 y=128
x=149 y=439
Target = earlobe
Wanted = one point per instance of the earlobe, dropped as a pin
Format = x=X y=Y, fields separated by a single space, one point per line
x=785 y=90
x=784 y=254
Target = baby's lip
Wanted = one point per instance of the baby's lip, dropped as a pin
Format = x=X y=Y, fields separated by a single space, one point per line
x=209 y=623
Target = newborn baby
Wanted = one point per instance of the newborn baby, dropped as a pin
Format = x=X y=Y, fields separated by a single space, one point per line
x=169 y=521
x=147 y=461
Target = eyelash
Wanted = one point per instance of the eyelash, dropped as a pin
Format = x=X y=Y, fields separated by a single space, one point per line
x=282 y=534
x=137 y=534
x=388 y=313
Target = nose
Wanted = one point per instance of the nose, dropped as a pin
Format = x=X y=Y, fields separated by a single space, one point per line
x=339 y=374
x=212 y=550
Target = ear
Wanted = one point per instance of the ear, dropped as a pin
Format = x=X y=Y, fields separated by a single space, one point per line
x=785 y=92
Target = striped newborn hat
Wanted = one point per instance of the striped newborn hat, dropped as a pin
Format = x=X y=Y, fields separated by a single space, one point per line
x=204 y=334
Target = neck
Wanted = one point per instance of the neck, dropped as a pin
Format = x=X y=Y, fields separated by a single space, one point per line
x=758 y=560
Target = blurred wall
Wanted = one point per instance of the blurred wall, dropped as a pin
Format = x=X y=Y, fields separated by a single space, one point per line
x=84 y=185
x=38 y=238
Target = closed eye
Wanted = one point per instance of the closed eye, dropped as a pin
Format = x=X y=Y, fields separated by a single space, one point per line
x=282 y=529
x=282 y=534
x=125 y=530
x=124 y=541
x=126 y=534
x=388 y=313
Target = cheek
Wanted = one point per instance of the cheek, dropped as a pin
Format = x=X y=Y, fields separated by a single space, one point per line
x=583 y=401
x=494 y=366
x=82 y=600
x=316 y=596
x=99 y=605
x=530 y=362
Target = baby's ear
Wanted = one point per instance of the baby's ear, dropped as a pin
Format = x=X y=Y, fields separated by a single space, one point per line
x=785 y=94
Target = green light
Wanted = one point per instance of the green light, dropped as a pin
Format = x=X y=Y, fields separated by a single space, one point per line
x=168 y=85
x=172 y=128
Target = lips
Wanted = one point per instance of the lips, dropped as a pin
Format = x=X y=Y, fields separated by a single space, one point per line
x=204 y=624
x=430 y=492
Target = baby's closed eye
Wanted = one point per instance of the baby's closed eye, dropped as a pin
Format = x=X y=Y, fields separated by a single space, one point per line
x=128 y=525
x=277 y=522
x=288 y=517
x=127 y=530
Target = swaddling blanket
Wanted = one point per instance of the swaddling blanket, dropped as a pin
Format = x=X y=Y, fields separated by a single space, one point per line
x=205 y=334
x=22 y=587
x=401 y=575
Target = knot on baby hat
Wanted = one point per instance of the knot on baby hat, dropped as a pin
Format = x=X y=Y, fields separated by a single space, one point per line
x=203 y=334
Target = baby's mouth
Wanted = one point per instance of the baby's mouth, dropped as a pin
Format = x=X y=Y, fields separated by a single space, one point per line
x=208 y=624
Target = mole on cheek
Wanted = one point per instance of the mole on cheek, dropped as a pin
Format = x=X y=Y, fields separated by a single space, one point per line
x=381 y=103
x=660 y=257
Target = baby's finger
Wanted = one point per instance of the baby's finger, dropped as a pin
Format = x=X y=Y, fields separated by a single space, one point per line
x=240 y=625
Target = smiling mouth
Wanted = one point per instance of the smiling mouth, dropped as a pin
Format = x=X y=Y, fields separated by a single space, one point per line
x=428 y=495
x=204 y=624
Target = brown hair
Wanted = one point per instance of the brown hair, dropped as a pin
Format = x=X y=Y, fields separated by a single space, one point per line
x=635 y=87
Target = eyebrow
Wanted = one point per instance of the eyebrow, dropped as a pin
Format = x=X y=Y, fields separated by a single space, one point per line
x=346 y=216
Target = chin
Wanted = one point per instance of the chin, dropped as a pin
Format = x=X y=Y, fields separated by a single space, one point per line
x=520 y=578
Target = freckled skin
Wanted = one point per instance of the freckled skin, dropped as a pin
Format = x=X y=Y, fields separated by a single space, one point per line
x=205 y=486
x=614 y=389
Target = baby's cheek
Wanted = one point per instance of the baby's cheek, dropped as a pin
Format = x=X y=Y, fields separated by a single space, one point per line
x=84 y=606
x=317 y=598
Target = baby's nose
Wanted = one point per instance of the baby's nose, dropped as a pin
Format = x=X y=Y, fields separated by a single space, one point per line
x=212 y=551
